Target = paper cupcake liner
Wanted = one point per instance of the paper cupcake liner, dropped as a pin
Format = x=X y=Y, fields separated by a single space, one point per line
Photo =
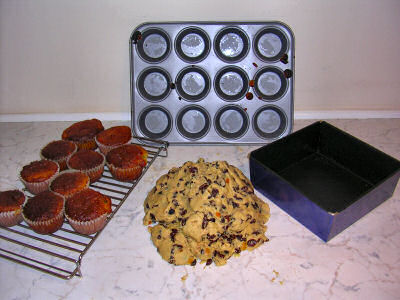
x=48 y=226
x=10 y=218
x=38 y=187
x=62 y=162
x=107 y=148
x=88 y=227
x=93 y=173
x=125 y=174
x=86 y=145
x=69 y=195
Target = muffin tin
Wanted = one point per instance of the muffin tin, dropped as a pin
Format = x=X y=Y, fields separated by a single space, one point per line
x=212 y=83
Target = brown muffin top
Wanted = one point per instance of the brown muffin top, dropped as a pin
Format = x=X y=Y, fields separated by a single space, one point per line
x=127 y=156
x=39 y=171
x=117 y=135
x=83 y=130
x=87 y=205
x=85 y=159
x=68 y=183
x=44 y=206
x=58 y=149
x=11 y=200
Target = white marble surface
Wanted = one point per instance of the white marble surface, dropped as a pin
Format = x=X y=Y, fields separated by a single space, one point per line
x=362 y=262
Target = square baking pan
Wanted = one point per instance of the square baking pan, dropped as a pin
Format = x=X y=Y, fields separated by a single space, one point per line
x=324 y=177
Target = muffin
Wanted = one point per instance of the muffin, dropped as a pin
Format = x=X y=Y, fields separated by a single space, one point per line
x=10 y=207
x=89 y=162
x=69 y=182
x=44 y=213
x=59 y=151
x=83 y=133
x=126 y=162
x=37 y=175
x=87 y=211
x=113 y=137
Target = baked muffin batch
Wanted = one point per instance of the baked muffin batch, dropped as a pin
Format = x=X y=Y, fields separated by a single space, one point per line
x=60 y=180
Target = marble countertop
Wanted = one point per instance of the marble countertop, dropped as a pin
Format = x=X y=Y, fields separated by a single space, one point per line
x=362 y=262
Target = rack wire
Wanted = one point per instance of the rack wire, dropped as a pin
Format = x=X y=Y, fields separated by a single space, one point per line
x=60 y=254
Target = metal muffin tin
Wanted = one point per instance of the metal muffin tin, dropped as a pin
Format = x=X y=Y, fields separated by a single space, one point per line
x=207 y=82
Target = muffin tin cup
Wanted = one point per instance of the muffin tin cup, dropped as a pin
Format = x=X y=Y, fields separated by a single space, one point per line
x=228 y=118
x=269 y=122
x=193 y=122
x=125 y=174
x=88 y=227
x=231 y=44
x=154 y=45
x=231 y=83
x=154 y=84
x=266 y=85
x=192 y=44
x=193 y=84
x=48 y=226
x=93 y=173
x=270 y=44
x=37 y=187
x=11 y=218
x=62 y=162
x=70 y=194
x=155 y=122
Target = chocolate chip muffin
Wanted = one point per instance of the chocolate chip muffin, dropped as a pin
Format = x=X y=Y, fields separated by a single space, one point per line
x=113 y=137
x=89 y=162
x=10 y=207
x=37 y=175
x=44 y=213
x=83 y=133
x=126 y=162
x=87 y=211
x=69 y=182
x=59 y=151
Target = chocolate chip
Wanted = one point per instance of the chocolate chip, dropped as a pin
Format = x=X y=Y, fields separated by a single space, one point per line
x=171 y=211
x=209 y=262
x=193 y=263
x=203 y=187
x=204 y=223
x=153 y=218
x=193 y=170
x=251 y=243
x=214 y=192
x=172 y=234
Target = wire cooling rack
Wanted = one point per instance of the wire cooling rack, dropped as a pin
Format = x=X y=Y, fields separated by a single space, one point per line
x=60 y=254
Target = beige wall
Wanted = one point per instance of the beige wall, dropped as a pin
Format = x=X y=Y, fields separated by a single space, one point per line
x=70 y=56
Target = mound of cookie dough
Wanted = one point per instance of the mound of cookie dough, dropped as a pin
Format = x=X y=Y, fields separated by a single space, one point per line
x=204 y=211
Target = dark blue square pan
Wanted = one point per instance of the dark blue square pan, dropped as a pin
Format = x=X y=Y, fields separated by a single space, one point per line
x=323 y=177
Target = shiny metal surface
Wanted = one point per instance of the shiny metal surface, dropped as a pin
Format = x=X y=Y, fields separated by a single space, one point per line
x=213 y=65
